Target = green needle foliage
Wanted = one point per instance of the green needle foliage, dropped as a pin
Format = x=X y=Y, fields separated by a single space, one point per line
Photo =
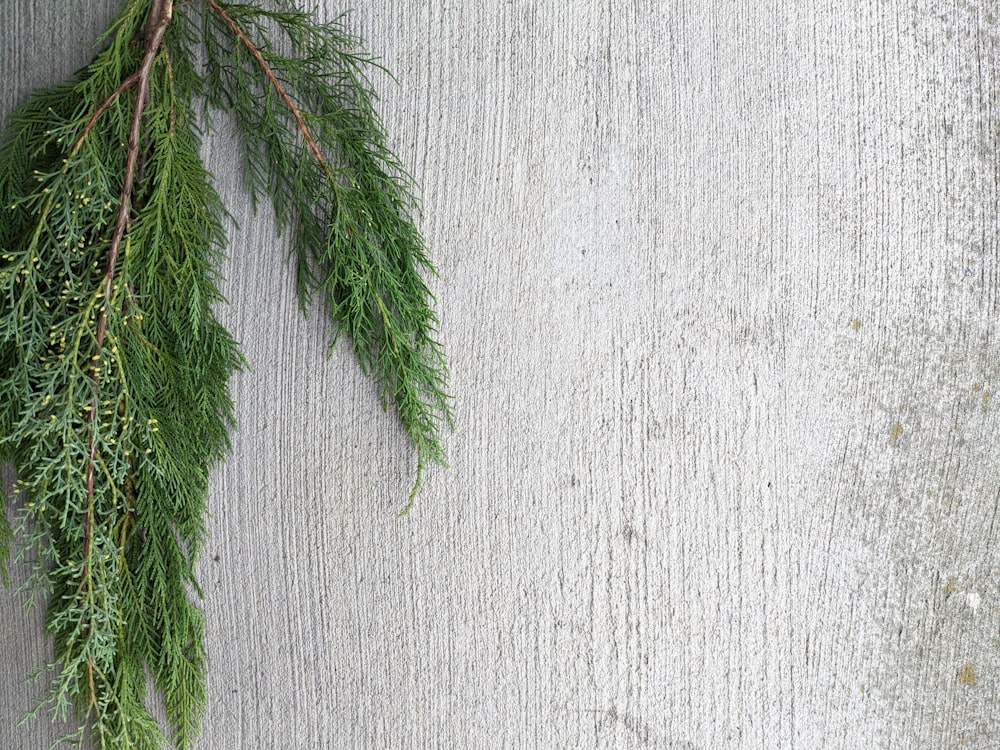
x=113 y=368
x=315 y=145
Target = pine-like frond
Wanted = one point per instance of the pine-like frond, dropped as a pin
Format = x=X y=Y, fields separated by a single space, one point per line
x=114 y=403
x=315 y=145
x=117 y=370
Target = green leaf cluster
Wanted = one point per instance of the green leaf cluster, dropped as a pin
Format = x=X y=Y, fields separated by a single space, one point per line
x=113 y=367
x=340 y=191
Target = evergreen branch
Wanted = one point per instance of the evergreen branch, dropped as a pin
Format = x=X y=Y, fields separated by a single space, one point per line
x=160 y=13
x=113 y=367
x=6 y=537
x=242 y=36
x=127 y=83
x=159 y=18
x=355 y=244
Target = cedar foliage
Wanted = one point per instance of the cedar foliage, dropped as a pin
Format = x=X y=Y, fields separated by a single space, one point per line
x=113 y=367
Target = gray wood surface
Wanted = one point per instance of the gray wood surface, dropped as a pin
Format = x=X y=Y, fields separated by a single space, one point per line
x=719 y=283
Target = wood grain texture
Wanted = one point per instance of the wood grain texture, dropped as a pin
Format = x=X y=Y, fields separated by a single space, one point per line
x=719 y=283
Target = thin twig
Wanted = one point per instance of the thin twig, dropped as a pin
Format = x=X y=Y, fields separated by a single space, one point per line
x=160 y=15
x=131 y=80
x=248 y=43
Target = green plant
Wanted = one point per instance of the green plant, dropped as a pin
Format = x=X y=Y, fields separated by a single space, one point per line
x=113 y=367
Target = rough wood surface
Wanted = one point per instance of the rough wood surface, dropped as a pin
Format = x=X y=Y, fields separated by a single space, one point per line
x=719 y=282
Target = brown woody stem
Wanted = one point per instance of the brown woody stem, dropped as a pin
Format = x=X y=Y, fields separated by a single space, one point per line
x=252 y=48
x=130 y=81
x=160 y=15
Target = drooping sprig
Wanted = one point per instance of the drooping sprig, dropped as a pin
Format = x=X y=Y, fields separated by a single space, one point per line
x=113 y=367
x=314 y=144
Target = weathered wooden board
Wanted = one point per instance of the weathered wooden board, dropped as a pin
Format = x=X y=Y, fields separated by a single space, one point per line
x=719 y=282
